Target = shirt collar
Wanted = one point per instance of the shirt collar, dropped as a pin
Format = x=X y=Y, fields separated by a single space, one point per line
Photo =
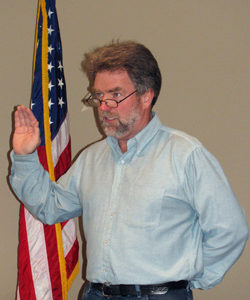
x=141 y=140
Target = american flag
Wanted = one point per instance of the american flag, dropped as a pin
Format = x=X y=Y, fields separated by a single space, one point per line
x=48 y=255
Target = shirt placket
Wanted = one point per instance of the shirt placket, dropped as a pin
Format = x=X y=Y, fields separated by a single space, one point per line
x=110 y=219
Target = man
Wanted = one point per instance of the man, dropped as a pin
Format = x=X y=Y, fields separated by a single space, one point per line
x=158 y=213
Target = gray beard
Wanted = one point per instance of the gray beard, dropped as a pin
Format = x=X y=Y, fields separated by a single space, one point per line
x=116 y=132
x=122 y=128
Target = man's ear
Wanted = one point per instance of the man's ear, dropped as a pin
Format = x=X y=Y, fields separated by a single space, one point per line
x=148 y=97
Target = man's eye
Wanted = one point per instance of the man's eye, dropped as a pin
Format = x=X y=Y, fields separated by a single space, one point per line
x=98 y=95
x=116 y=95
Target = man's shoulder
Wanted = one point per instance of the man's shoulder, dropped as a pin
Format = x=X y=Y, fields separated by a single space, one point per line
x=95 y=148
x=179 y=139
x=97 y=145
x=177 y=145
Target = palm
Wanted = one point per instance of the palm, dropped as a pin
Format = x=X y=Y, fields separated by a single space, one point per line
x=26 y=136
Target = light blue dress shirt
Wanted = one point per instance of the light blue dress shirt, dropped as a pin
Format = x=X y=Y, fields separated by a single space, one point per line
x=162 y=211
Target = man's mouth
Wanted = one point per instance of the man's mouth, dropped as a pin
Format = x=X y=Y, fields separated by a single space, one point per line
x=109 y=119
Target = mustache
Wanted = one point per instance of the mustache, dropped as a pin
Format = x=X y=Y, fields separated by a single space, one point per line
x=108 y=115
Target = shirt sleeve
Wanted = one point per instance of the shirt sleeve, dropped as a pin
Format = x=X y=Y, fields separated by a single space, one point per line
x=48 y=201
x=222 y=220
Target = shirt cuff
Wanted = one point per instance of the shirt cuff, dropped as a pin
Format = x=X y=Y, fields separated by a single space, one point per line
x=21 y=163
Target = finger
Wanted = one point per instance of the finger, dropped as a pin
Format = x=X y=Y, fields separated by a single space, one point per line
x=31 y=117
x=25 y=117
x=19 y=117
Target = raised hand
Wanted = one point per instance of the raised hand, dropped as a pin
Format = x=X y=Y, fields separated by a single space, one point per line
x=26 y=137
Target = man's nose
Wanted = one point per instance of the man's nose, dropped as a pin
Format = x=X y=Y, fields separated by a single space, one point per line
x=104 y=107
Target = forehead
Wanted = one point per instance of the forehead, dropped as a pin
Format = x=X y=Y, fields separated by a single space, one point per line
x=110 y=80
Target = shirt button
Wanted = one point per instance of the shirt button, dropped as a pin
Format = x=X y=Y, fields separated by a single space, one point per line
x=106 y=242
x=122 y=162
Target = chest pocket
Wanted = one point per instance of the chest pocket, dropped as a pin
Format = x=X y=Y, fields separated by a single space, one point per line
x=143 y=206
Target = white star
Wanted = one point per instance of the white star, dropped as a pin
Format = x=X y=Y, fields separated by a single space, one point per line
x=50 y=122
x=60 y=66
x=60 y=102
x=50 y=85
x=50 y=66
x=50 y=13
x=50 y=103
x=50 y=49
x=50 y=30
x=32 y=104
x=60 y=83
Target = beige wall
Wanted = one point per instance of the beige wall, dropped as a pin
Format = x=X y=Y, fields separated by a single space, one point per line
x=202 y=50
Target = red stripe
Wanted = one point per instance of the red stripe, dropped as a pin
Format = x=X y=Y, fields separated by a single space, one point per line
x=41 y=151
x=72 y=258
x=53 y=260
x=63 y=224
x=25 y=280
x=51 y=243
x=63 y=162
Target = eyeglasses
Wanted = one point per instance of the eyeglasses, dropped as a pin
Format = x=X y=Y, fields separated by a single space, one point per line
x=92 y=100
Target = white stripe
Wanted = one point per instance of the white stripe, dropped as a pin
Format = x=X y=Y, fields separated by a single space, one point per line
x=68 y=236
x=17 y=294
x=38 y=257
x=61 y=140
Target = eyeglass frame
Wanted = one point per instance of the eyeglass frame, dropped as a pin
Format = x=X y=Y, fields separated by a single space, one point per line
x=86 y=99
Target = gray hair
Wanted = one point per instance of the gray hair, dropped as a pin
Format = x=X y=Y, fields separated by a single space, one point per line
x=130 y=56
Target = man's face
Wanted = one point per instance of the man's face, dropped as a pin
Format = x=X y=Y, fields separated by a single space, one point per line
x=130 y=116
